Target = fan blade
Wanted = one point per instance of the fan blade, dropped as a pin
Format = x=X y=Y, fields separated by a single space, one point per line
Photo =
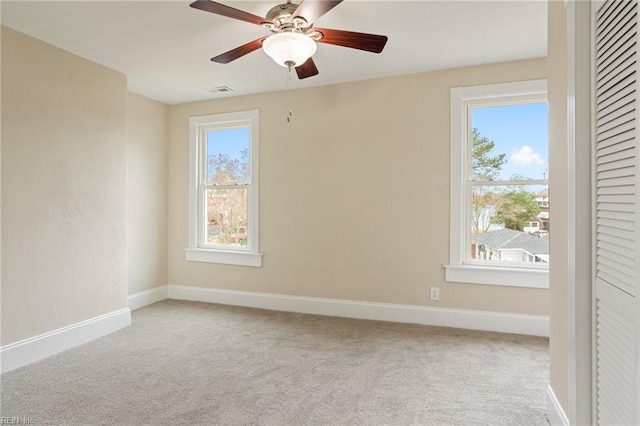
x=238 y=52
x=362 y=41
x=308 y=69
x=229 y=12
x=311 y=10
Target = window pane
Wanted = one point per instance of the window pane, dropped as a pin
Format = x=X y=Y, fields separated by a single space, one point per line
x=227 y=216
x=228 y=156
x=510 y=224
x=510 y=142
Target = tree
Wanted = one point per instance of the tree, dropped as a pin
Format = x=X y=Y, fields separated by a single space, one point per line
x=516 y=209
x=484 y=166
x=484 y=209
x=224 y=170
x=227 y=206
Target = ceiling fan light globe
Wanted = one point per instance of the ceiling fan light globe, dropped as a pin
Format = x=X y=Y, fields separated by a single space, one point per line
x=289 y=48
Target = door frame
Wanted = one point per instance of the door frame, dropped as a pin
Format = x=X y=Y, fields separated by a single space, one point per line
x=580 y=181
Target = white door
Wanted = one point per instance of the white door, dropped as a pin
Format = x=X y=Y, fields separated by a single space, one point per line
x=616 y=198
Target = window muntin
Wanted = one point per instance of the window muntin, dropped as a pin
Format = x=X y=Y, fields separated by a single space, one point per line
x=225 y=187
x=223 y=196
x=507 y=167
x=465 y=264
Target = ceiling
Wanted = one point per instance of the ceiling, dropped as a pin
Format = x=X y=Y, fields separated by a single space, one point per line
x=164 y=47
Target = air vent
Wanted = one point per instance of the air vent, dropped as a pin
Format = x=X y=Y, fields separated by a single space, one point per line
x=220 y=89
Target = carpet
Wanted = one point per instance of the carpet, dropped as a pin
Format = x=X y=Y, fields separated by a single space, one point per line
x=191 y=363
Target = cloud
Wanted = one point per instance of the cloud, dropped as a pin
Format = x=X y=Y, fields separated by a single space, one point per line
x=525 y=155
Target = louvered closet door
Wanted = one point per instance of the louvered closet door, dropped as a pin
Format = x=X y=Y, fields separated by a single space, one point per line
x=617 y=242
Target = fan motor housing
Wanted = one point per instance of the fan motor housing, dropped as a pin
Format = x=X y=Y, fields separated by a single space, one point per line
x=280 y=18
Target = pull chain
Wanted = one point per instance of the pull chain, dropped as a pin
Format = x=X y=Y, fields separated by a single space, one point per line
x=290 y=113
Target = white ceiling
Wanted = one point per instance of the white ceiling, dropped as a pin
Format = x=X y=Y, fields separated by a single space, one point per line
x=164 y=47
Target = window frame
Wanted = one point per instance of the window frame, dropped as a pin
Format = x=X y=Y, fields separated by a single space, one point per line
x=459 y=268
x=198 y=250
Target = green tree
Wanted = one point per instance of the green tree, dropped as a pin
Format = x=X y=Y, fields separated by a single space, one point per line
x=516 y=209
x=484 y=166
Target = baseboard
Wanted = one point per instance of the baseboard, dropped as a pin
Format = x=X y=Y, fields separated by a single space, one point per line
x=148 y=297
x=556 y=414
x=475 y=320
x=36 y=348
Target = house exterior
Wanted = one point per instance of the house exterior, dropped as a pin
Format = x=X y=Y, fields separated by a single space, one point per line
x=536 y=225
x=539 y=225
x=510 y=246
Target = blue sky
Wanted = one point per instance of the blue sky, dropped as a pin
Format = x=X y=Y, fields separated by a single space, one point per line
x=228 y=141
x=520 y=132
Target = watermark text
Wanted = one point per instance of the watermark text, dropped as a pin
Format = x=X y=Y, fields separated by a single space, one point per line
x=17 y=420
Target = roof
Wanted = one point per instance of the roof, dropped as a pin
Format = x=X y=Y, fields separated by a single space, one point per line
x=510 y=239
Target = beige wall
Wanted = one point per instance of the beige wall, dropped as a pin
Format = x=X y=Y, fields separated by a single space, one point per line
x=354 y=200
x=63 y=188
x=147 y=181
x=558 y=174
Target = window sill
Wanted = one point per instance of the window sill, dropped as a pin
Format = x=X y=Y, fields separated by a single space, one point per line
x=510 y=277
x=227 y=257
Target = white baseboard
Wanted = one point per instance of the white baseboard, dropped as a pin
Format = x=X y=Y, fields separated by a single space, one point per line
x=36 y=348
x=556 y=414
x=148 y=297
x=475 y=320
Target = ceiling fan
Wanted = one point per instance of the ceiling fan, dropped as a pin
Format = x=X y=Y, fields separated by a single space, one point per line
x=294 y=38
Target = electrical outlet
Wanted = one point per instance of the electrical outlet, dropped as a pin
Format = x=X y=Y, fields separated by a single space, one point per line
x=435 y=293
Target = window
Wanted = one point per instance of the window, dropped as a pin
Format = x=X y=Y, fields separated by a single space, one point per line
x=223 y=189
x=499 y=186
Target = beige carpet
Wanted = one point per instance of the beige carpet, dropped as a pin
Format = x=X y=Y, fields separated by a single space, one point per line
x=184 y=363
